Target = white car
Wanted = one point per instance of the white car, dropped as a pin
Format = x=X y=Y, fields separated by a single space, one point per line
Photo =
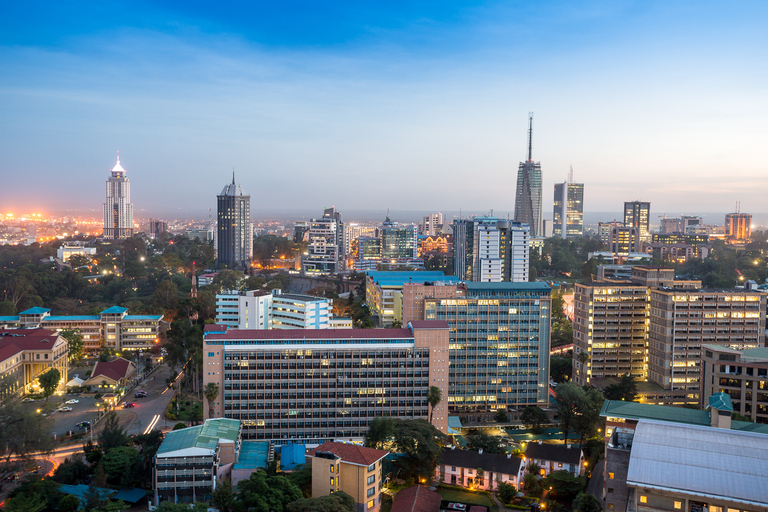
x=73 y=401
x=65 y=409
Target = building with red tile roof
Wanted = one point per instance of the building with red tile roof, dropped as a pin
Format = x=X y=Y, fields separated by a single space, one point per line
x=348 y=467
x=417 y=498
x=116 y=373
x=27 y=353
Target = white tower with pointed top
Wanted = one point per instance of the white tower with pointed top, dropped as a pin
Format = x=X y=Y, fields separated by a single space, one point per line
x=118 y=210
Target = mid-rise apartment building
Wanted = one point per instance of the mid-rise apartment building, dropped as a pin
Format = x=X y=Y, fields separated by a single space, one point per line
x=325 y=254
x=350 y=468
x=742 y=374
x=682 y=320
x=113 y=327
x=499 y=342
x=258 y=309
x=188 y=461
x=491 y=250
x=319 y=385
x=244 y=310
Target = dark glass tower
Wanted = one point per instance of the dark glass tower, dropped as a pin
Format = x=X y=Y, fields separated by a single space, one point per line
x=234 y=240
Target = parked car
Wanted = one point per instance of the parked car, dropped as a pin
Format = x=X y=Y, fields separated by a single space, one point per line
x=141 y=394
x=27 y=400
x=65 y=409
x=128 y=405
x=84 y=424
x=72 y=401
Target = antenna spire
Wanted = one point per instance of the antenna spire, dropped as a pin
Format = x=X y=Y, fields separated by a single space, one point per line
x=570 y=175
x=233 y=175
x=530 y=136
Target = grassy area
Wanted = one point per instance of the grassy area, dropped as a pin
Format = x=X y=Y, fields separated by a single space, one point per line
x=468 y=497
x=189 y=409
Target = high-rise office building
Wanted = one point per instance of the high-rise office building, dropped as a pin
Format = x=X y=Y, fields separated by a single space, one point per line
x=118 y=210
x=637 y=214
x=528 y=194
x=431 y=224
x=568 y=209
x=738 y=228
x=624 y=240
x=325 y=254
x=501 y=251
x=234 y=234
x=463 y=247
x=398 y=241
x=499 y=342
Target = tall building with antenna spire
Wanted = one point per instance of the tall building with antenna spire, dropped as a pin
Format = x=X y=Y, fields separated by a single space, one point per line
x=568 y=212
x=118 y=210
x=528 y=194
x=234 y=231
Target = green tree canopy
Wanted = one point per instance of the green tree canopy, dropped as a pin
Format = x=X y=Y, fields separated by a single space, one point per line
x=625 y=389
x=381 y=430
x=119 y=463
x=49 y=381
x=585 y=502
x=267 y=493
x=534 y=418
x=339 y=501
x=112 y=435
x=75 y=343
x=420 y=444
x=485 y=442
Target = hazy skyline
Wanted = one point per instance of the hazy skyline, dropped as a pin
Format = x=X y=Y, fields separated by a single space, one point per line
x=405 y=106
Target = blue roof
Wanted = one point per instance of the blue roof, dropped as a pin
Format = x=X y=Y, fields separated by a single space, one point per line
x=72 y=318
x=399 y=278
x=292 y=455
x=143 y=317
x=721 y=402
x=454 y=425
x=471 y=285
x=35 y=311
x=81 y=490
x=114 y=310
x=131 y=495
x=9 y=318
x=253 y=455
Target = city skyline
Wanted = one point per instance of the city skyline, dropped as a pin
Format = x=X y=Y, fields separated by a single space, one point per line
x=647 y=101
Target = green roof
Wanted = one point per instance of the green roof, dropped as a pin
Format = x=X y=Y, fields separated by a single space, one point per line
x=638 y=411
x=755 y=353
x=202 y=436
x=721 y=402
x=472 y=285
x=253 y=455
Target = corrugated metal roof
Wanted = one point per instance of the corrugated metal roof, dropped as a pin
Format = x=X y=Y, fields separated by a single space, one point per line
x=399 y=278
x=253 y=455
x=700 y=460
x=472 y=285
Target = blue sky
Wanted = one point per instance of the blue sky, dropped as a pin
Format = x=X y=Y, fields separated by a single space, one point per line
x=402 y=105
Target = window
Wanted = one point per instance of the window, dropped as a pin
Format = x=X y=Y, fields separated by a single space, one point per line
x=371 y=479
x=372 y=467
x=610 y=476
x=331 y=480
x=371 y=491
x=210 y=354
x=678 y=505
x=333 y=468
x=370 y=504
x=643 y=499
x=560 y=465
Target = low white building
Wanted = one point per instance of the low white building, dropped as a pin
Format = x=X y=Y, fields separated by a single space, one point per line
x=555 y=457
x=259 y=309
x=70 y=249
x=244 y=310
x=460 y=467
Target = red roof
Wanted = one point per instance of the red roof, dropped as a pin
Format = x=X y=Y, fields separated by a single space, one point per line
x=13 y=341
x=417 y=498
x=352 y=453
x=429 y=324
x=310 y=334
x=115 y=370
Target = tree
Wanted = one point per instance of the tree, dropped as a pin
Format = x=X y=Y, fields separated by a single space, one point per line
x=506 y=492
x=502 y=416
x=568 y=398
x=211 y=393
x=302 y=476
x=71 y=471
x=106 y=354
x=32 y=492
x=485 y=442
x=119 y=463
x=420 y=444
x=585 y=502
x=267 y=493
x=434 y=397
x=95 y=498
x=380 y=432
x=75 y=343
x=339 y=501
x=23 y=431
x=480 y=477
x=560 y=368
x=49 y=381
x=69 y=503
x=112 y=435
x=223 y=498
x=625 y=389
x=563 y=486
x=533 y=418
x=179 y=426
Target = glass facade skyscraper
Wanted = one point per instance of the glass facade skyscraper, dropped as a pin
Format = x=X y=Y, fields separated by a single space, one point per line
x=118 y=210
x=234 y=235
x=528 y=192
x=568 y=210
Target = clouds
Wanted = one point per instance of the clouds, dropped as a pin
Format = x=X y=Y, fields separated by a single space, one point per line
x=419 y=108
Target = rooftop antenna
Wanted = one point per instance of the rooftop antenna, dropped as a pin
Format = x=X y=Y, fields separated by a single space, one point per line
x=233 y=175
x=570 y=175
x=530 y=136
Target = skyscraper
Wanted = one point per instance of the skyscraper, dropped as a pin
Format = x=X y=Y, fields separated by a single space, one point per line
x=637 y=214
x=569 y=208
x=528 y=195
x=500 y=250
x=398 y=241
x=234 y=235
x=325 y=254
x=118 y=210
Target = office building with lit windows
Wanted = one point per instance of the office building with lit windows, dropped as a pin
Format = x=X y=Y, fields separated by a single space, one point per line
x=311 y=386
x=325 y=254
x=568 y=211
x=528 y=198
x=738 y=228
x=118 y=209
x=234 y=232
x=499 y=342
x=637 y=214
x=741 y=374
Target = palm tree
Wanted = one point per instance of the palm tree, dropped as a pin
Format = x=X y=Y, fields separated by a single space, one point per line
x=434 y=396
x=211 y=392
